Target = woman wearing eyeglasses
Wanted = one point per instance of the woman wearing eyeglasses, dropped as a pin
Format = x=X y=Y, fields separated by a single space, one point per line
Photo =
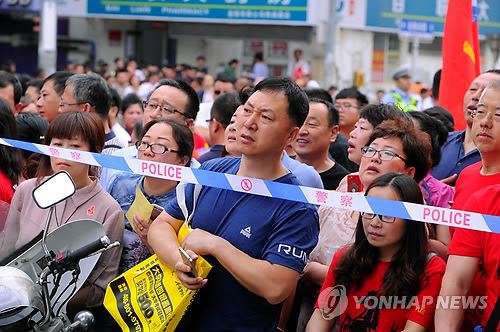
x=393 y=146
x=164 y=141
x=386 y=280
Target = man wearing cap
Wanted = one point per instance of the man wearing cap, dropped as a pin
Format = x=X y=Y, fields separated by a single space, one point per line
x=400 y=95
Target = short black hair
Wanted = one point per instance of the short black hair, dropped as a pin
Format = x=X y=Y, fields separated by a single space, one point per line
x=181 y=133
x=298 y=103
x=442 y=115
x=223 y=77
x=35 y=82
x=186 y=66
x=116 y=100
x=24 y=79
x=224 y=107
x=354 y=94
x=259 y=56
x=58 y=79
x=233 y=61
x=193 y=105
x=435 y=129
x=9 y=157
x=493 y=71
x=130 y=99
x=120 y=70
x=333 y=113
x=436 y=81
x=318 y=93
x=375 y=114
x=153 y=73
x=7 y=79
x=31 y=127
x=245 y=93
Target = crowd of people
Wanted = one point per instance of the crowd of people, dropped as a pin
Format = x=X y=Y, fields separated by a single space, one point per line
x=277 y=264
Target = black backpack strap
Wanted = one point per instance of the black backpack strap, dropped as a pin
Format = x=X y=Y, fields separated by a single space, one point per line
x=492 y=324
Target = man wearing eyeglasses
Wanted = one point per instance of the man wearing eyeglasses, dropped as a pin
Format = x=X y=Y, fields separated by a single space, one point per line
x=349 y=102
x=90 y=93
x=171 y=99
x=477 y=190
x=257 y=245
x=459 y=151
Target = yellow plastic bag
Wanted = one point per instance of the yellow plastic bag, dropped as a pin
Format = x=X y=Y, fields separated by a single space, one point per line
x=150 y=296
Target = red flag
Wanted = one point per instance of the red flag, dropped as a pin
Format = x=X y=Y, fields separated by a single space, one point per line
x=461 y=58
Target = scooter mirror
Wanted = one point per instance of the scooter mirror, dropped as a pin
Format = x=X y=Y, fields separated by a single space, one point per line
x=55 y=189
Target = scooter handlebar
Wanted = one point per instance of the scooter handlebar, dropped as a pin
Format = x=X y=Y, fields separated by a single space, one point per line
x=78 y=254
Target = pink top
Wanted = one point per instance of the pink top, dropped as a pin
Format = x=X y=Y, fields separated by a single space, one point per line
x=435 y=192
x=26 y=220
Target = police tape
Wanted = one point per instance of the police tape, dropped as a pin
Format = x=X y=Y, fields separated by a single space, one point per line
x=341 y=200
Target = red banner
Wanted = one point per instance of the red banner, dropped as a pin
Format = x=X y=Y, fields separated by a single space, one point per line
x=461 y=58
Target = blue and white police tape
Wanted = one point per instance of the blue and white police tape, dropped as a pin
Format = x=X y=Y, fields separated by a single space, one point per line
x=342 y=200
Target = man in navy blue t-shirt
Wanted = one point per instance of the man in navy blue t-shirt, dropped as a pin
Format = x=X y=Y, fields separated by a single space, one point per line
x=258 y=246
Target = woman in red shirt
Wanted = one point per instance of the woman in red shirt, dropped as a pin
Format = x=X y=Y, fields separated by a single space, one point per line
x=385 y=281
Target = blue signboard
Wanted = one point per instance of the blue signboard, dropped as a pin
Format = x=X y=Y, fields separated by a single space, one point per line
x=20 y=5
x=388 y=14
x=245 y=11
x=416 y=28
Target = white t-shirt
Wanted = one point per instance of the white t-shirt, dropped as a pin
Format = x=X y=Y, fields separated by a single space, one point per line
x=203 y=115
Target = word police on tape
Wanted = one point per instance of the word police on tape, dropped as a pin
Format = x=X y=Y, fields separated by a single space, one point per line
x=343 y=200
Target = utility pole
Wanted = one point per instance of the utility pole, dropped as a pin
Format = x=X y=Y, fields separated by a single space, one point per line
x=414 y=56
x=47 y=42
x=329 y=63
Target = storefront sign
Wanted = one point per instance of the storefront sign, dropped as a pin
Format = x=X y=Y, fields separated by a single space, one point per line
x=221 y=11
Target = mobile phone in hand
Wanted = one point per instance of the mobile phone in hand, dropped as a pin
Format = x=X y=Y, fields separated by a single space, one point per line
x=156 y=211
x=354 y=184
x=188 y=261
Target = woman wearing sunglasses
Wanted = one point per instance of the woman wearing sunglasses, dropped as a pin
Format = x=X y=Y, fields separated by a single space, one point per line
x=164 y=141
x=386 y=280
